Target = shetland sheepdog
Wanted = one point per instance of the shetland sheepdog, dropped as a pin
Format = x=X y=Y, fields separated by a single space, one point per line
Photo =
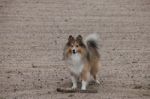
x=83 y=58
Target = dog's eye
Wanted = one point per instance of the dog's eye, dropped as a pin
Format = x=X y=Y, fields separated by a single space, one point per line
x=71 y=45
x=77 y=45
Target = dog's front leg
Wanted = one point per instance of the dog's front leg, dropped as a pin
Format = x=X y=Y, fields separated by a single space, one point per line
x=84 y=84
x=84 y=79
x=74 y=82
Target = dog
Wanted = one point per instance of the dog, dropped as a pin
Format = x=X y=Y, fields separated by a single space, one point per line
x=83 y=58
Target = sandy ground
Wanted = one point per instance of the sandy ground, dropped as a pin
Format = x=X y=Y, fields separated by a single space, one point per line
x=33 y=34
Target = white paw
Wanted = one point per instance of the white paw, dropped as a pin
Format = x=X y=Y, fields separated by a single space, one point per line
x=73 y=87
x=97 y=82
x=83 y=88
x=84 y=83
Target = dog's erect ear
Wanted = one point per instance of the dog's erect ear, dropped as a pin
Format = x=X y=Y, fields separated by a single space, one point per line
x=79 y=38
x=70 y=38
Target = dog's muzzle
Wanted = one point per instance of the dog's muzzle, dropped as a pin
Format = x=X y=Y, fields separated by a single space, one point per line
x=74 y=51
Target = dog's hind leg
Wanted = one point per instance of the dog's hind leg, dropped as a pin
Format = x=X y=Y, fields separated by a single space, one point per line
x=94 y=72
x=95 y=79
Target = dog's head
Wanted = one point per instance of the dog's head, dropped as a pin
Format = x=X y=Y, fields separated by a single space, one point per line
x=75 y=45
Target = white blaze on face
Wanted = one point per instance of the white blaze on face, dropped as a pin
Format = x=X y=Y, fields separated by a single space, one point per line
x=74 y=50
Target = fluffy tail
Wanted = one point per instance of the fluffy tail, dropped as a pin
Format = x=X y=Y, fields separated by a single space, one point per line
x=91 y=41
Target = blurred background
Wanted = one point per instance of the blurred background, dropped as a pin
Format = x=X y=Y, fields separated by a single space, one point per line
x=34 y=32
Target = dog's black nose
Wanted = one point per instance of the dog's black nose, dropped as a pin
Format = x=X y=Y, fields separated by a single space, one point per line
x=73 y=51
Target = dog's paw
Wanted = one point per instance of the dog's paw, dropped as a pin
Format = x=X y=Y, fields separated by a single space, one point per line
x=97 y=82
x=74 y=87
x=83 y=88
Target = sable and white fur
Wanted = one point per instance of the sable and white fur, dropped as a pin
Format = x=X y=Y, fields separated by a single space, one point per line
x=83 y=58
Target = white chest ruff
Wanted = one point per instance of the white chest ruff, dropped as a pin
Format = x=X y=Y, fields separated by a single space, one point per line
x=76 y=64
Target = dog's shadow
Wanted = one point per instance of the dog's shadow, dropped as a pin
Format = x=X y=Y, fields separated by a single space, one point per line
x=91 y=85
